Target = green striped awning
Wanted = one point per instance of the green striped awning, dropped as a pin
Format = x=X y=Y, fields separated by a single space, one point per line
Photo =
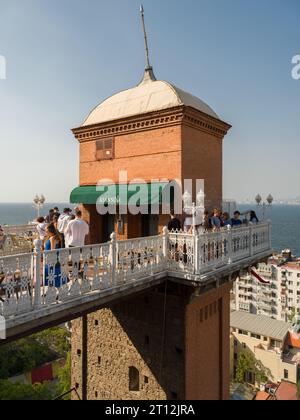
x=121 y=194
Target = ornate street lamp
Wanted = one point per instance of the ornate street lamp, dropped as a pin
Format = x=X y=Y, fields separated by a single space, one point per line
x=195 y=209
x=264 y=204
x=39 y=202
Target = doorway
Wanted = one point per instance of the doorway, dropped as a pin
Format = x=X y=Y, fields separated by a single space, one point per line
x=150 y=225
x=108 y=227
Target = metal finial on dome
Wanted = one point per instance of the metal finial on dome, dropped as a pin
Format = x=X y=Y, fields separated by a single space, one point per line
x=149 y=75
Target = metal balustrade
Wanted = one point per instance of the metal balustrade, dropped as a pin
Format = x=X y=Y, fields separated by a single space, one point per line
x=50 y=279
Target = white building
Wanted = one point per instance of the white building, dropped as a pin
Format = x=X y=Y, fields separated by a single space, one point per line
x=273 y=289
x=272 y=344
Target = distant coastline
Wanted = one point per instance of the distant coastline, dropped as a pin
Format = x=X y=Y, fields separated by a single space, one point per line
x=276 y=203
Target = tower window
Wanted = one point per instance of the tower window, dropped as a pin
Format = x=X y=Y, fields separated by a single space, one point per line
x=105 y=149
x=147 y=340
x=174 y=395
x=134 y=379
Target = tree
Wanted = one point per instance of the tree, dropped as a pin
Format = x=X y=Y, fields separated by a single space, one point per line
x=23 y=356
x=248 y=364
x=57 y=339
x=29 y=353
x=292 y=315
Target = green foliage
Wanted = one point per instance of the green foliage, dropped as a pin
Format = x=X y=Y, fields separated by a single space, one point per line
x=292 y=316
x=57 y=339
x=29 y=353
x=23 y=356
x=248 y=364
x=21 y=392
x=298 y=389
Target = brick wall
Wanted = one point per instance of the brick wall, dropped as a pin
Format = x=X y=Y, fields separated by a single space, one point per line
x=202 y=159
x=150 y=154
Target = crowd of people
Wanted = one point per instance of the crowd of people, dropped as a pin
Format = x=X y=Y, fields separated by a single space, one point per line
x=66 y=230
x=212 y=221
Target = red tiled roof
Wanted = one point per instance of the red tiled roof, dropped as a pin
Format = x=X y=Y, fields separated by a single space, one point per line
x=42 y=374
x=293 y=340
x=286 y=392
x=292 y=266
x=262 y=396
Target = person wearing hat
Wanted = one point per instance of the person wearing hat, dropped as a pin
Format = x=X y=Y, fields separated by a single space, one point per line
x=62 y=224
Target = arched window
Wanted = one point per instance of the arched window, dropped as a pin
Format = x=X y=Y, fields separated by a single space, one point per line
x=134 y=379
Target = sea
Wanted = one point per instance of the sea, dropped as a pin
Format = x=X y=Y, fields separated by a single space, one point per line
x=285 y=221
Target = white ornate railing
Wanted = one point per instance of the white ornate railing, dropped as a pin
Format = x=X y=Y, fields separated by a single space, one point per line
x=47 y=279
x=212 y=250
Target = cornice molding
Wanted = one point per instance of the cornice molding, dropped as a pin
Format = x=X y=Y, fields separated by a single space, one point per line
x=181 y=115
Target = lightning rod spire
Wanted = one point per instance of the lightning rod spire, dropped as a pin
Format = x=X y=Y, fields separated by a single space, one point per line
x=149 y=75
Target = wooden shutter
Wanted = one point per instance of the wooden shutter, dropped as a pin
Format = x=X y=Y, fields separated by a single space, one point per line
x=105 y=149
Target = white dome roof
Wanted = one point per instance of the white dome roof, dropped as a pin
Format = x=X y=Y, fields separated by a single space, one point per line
x=149 y=96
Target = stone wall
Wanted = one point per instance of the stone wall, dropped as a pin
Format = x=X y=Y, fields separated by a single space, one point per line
x=159 y=333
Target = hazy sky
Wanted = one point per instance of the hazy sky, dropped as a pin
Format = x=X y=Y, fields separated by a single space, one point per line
x=66 y=56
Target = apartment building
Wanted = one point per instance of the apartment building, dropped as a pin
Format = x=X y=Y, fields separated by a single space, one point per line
x=272 y=289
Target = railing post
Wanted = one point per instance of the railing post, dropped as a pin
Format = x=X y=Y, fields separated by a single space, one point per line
x=251 y=240
x=230 y=248
x=113 y=258
x=37 y=262
x=166 y=245
x=196 y=253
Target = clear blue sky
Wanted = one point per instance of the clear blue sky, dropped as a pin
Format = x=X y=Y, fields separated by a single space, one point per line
x=66 y=56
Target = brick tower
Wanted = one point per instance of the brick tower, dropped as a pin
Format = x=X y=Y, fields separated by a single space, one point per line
x=172 y=341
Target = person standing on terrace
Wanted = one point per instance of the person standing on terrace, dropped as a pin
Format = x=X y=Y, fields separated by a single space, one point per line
x=53 y=243
x=226 y=219
x=174 y=223
x=77 y=231
x=41 y=228
x=253 y=217
x=62 y=224
x=216 y=219
x=49 y=218
x=236 y=221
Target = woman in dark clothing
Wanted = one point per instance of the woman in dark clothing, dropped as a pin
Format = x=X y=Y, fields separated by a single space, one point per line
x=253 y=217
x=53 y=243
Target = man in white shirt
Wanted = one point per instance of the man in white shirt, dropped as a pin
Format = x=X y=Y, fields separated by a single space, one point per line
x=76 y=231
x=62 y=224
